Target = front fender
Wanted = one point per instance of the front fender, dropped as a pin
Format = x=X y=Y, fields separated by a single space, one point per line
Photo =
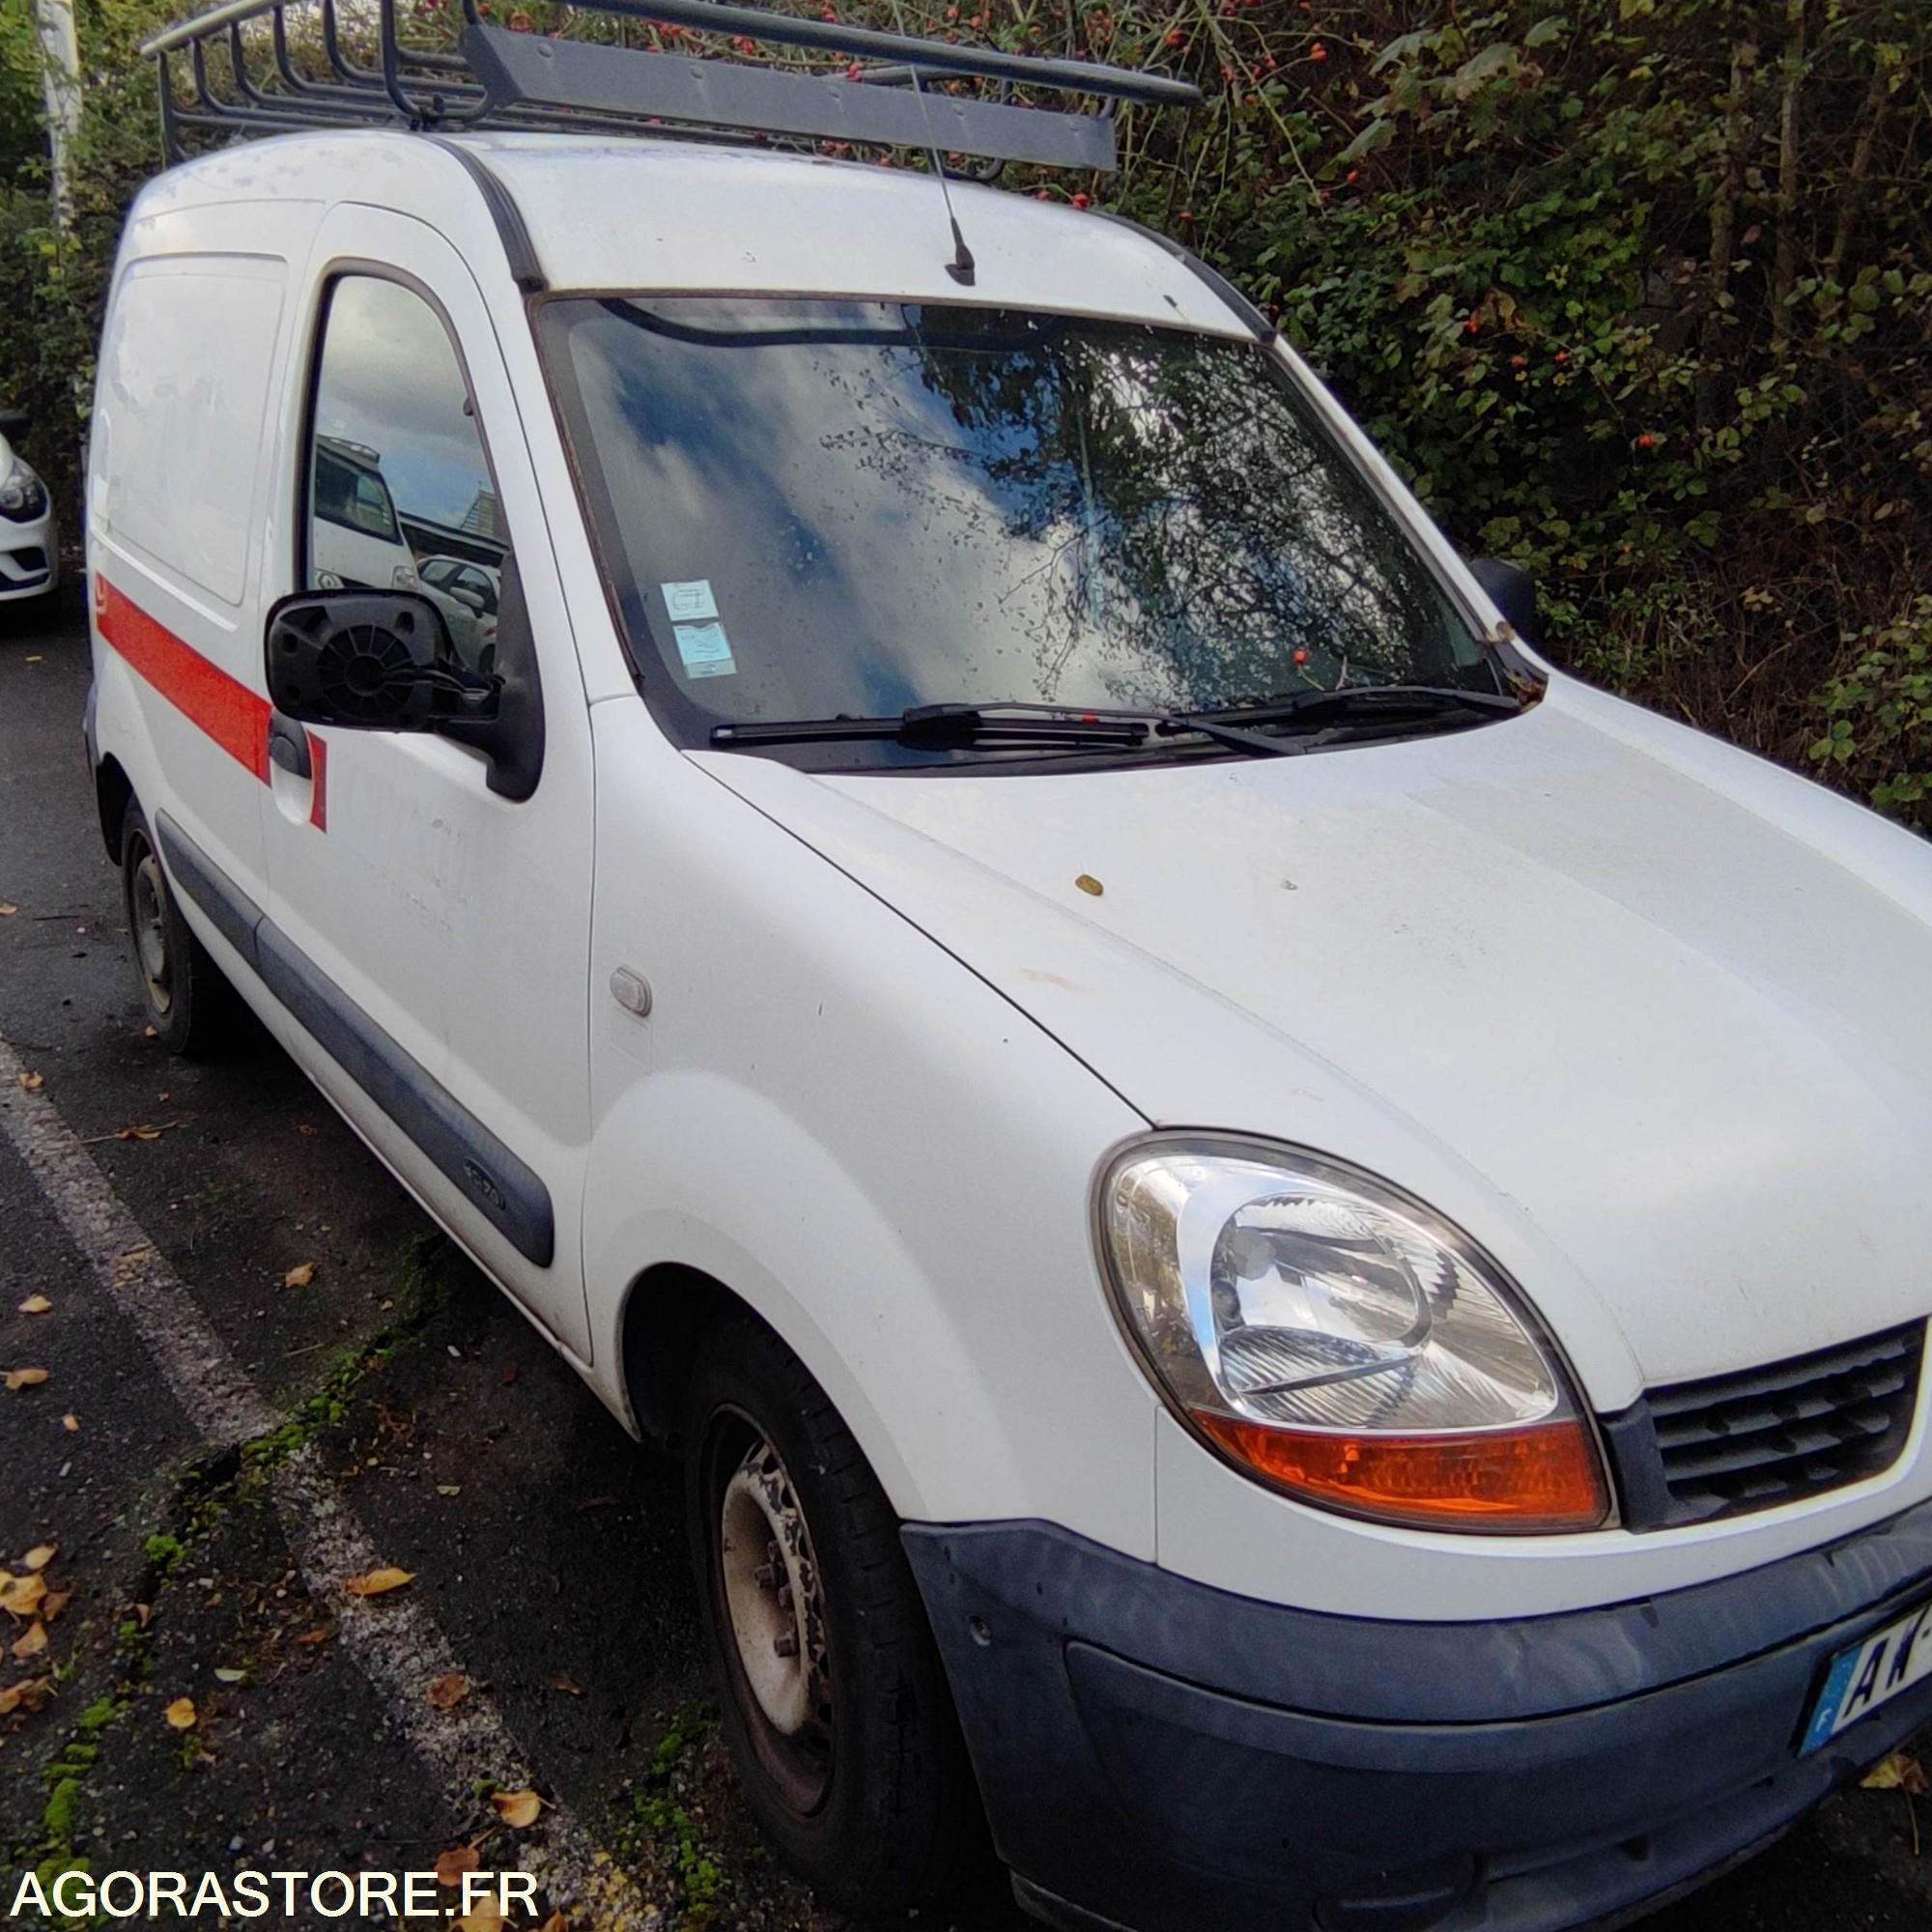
x=876 y=1151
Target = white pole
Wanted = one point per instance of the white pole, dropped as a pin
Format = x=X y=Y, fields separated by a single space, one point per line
x=60 y=86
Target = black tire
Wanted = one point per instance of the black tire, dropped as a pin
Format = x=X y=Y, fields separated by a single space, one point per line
x=872 y=1798
x=188 y=1002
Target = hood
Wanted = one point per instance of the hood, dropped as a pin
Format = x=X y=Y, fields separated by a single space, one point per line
x=1648 y=1017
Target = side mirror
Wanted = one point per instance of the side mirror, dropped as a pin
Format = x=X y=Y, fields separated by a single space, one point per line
x=375 y=661
x=1511 y=590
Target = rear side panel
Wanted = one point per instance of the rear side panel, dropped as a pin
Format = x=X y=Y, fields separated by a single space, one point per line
x=193 y=351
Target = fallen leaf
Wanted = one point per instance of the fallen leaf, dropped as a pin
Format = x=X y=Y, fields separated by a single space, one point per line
x=299 y=1277
x=142 y=1612
x=8 y=911
x=562 y=1682
x=485 y=1918
x=32 y=1643
x=22 y=1595
x=449 y=1489
x=41 y=1555
x=1900 y=1771
x=151 y=1032
x=224 y=1675
x=181 y=1715
x=30 y=1692
x=72 y=1424
x=54 y=1603
x=554 y=1923
x=507 y=1373
x=518 y=1810
x=37 y=657
x=1087 y=883
x=33 y=1082
x=141 y=1134
x=24 y=1379
x=377 y=1581
x=320 y=1635
x=448 y=1690
x=36 y=1304
x=450 y=1865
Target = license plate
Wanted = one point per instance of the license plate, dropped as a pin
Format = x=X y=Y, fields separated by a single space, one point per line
x=1865 y=1675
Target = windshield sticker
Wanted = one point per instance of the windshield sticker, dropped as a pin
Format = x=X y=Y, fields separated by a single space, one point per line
x=690 y=603
x=705 y=649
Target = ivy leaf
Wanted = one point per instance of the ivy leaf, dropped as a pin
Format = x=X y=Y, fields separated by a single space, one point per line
x=1551 y=27
x=1378 y=133
x=1404 y=46
x=1496 y=58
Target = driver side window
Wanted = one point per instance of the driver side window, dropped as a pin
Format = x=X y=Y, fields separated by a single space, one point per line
x=400 y=491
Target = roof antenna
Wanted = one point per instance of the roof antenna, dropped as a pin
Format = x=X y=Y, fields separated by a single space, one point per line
x=960 y=268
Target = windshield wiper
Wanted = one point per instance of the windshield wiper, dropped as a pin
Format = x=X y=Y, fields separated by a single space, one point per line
x=1017 y=725
x=1008 y=724
x=1357 y=701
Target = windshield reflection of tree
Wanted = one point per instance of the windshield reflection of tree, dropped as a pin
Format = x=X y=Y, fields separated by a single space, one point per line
x=1190 y=534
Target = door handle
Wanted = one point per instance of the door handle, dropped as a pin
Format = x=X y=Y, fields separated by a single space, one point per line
x=287 y=747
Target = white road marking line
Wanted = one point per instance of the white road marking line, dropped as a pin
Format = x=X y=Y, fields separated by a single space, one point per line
x=395 y=1640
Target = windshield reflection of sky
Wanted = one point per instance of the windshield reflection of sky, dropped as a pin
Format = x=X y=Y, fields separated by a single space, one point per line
x=1086 y=513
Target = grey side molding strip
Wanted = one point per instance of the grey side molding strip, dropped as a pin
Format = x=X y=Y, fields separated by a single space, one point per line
x=228 y=908
x=505 y=1189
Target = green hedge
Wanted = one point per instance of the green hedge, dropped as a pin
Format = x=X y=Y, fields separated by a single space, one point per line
x=1637 y=293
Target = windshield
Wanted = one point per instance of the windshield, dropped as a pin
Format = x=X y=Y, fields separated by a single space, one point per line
x=814 y=508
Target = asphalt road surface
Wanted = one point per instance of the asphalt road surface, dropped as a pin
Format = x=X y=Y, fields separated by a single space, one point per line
x=267 y=1372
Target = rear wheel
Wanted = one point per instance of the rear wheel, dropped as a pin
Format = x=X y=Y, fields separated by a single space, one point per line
x=833 y=1700
x=189 y=1003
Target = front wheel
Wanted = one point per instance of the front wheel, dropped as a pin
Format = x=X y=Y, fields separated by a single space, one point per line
x=833 y=1699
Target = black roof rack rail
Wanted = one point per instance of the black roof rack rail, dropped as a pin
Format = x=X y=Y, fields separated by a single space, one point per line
x=890 y=90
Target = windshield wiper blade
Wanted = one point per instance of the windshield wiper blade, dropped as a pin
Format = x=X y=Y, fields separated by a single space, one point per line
x=940 y=726
x=1360 y=700
x=1010 y=723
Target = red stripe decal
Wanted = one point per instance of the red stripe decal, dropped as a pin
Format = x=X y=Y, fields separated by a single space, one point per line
x=235 y=717
x=318 y=758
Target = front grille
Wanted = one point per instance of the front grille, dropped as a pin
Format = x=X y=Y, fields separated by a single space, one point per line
x=1731 y=1445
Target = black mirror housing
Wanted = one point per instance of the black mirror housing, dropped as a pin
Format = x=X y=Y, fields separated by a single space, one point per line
x=1511 y=589
x=372 y=660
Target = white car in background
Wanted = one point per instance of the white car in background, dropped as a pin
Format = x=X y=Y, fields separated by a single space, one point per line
x=29 y=533
x=467 y=595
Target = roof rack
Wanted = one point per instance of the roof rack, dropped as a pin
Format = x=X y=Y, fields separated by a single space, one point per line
x=883 y=94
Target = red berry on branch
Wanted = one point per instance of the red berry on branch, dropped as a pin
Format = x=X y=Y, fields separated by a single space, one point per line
x=1646 y=440
x=1317 y=52
x=1081 y=201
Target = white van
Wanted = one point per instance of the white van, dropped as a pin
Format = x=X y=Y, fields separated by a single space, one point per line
x=1287 y=1250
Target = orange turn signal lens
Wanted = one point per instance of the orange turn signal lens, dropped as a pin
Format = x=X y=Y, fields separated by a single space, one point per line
x=1545 y=1476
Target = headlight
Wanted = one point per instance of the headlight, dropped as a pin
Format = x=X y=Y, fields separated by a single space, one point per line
x=22 y=495
x=1337 y=1341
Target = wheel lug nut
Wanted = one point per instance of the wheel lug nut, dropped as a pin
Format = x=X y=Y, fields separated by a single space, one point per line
x=765 y=1576
x=785 y=1644
x=784 y=1595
